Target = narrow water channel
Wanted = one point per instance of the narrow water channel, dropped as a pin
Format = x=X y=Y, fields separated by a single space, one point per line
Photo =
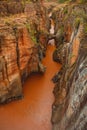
x=33 y=112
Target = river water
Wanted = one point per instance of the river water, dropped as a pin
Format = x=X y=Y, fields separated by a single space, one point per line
x=33 y=112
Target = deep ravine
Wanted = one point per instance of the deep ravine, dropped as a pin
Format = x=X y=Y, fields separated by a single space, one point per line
x=33 y=112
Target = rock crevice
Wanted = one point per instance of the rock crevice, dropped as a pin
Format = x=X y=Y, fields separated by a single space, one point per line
x=21 y=50
x=70 y=89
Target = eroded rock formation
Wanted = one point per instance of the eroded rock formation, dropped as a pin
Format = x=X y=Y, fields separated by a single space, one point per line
x=20 y=55
x=10 y=7
x=70 y=106
x=22 y=48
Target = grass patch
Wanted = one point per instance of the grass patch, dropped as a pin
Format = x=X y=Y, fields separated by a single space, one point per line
x=32 y=32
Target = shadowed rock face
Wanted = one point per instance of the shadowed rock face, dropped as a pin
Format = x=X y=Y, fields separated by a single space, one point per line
x=69 y=108
x=21 y=52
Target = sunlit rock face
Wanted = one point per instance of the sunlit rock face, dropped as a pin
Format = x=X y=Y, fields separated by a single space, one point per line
x=10 y=81
x=38 y=16
x=69 y=108
x=18 y=58
x=22 y=47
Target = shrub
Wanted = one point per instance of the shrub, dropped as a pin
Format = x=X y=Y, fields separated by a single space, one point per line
x=77 y=22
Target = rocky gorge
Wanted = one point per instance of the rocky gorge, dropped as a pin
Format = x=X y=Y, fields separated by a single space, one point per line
x=24 y=37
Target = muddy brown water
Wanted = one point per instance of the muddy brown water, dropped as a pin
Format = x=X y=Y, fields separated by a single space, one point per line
x=33 y=112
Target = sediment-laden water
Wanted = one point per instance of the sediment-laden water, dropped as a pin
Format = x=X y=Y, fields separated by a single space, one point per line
x=33 y=112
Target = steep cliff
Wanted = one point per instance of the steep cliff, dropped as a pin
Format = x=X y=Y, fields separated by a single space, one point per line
x=23 y=41
x=22 y=46
x=70 y=106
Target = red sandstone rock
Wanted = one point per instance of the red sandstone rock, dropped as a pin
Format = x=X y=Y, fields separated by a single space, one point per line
x=69 y=108
x=19 y=55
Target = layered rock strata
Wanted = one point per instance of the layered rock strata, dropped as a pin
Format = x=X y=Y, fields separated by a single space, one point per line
x=12 y=7
x=70 y=106
x=22 y=47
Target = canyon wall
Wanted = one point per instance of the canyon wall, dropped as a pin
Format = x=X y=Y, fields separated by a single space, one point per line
x=22 y=46
x=70 y=106
x=23 y=41
x=12 y=7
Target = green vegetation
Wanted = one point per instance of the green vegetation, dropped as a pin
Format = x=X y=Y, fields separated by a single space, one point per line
x=85 y=29
x=32 y=32
x=65 y=10
x=62 y=1
x=80 y=1
x=77 y=22
x=24 y=2
x=62 y=29
x=7 y=22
